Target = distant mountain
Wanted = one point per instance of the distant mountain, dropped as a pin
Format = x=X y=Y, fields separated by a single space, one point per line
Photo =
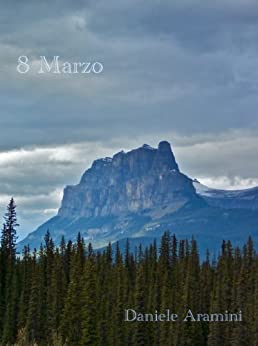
x=142 y=193
x=247 y=199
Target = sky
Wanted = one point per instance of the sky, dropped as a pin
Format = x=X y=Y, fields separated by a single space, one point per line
x=185 y=71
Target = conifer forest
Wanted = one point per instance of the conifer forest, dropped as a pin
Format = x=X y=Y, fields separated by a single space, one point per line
x=70 y=294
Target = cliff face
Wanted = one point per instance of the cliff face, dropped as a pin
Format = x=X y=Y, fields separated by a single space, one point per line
x=143 y=178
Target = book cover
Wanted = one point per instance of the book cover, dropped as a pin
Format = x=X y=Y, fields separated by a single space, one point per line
x=129 y=173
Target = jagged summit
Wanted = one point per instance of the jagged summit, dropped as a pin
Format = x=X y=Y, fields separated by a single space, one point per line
x=128 y=182
x=165 y=156
x=136 y=162
x=148 y=147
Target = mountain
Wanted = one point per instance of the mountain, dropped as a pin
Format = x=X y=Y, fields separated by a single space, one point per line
x=142 y=193
x=228 y=199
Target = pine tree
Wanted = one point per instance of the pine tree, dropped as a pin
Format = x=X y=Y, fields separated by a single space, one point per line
x=26 y=276
x=70 y=325
x=10 y=326
x=33 y=318
x=8 y=239
x=7 y=262
x=139 y=337
x=192 y=332
x=89 y=300
x=255 y=324
x=104 y=292
x=119 y=293
x=56 y=296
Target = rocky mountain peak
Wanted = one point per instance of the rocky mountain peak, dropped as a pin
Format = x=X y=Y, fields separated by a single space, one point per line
x=164 y=146
x=127 y=183
x=165 y=157
x=135 y=163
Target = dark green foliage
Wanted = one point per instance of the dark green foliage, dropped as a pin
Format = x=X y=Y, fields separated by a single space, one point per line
x=8 y=274
x=72 y=295
x=8 y=239
x=89 y=321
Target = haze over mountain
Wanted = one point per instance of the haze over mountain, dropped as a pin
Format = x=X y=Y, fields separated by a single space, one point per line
x=142 y=193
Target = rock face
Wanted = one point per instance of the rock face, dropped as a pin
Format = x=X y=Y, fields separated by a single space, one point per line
x=140 y=194
x=143 y=178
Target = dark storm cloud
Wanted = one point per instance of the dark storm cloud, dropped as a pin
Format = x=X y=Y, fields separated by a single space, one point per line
x=186 y=64
x=185 y=71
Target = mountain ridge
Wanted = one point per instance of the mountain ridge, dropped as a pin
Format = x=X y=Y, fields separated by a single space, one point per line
x=229 y=199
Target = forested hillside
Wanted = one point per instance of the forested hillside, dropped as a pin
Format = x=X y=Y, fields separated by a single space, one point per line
x=72 y=295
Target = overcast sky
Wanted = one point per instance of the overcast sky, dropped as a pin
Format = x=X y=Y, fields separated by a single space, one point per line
x=185 y=71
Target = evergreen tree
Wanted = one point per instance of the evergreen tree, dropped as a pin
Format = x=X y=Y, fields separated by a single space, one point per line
x=7 y=261
x=70 y=325
x=11 y=314
x=139 y=337
x=26 y=277
x=56 y=296
x=8 y=239
x=33 y=319
x=255 y=325
x=89 y=300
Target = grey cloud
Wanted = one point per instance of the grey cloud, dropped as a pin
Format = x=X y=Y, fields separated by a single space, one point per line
x=184 y=71
x=229 y=157
x=152 y=75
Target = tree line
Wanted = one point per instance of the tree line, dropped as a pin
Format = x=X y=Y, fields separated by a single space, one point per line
x=72 y=295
